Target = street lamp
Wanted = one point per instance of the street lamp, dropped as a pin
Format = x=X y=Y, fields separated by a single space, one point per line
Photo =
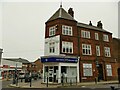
x=1 y=51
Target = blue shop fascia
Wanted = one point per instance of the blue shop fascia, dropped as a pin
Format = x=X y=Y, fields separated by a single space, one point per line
x=56 y=66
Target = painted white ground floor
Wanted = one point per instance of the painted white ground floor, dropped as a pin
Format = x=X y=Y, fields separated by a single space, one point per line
x=58 y=69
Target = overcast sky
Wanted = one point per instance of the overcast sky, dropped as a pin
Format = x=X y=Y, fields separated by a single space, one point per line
x=23 y=23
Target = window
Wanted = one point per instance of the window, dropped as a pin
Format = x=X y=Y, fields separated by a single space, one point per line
x=67 y=47
x=105 y=38
x=87 y=69
x=85 y=34
x=52 y=47
x=52 y=31
x=66 y=30
x=107 y=51
x=98 y=50
x=96 y=36
x=86 y=49
x=109 y=70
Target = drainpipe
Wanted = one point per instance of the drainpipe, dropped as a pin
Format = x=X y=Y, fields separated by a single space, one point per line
x=78 y=31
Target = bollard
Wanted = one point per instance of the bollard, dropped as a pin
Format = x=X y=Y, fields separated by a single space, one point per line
x=62 y=81
x=76 y=80
x=112 y=88
x=30 y=81
x=47 y=81
x=95 y=80
x=70 y=82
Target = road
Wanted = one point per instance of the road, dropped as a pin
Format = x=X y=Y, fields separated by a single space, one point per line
x=5 y=83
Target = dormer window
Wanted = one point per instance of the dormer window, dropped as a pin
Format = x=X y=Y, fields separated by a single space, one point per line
x=67 y=30
x=52 y=31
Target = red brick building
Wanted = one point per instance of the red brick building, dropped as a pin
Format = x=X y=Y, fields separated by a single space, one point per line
x=92 y=45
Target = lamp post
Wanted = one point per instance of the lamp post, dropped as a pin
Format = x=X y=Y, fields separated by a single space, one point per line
x=1 y=51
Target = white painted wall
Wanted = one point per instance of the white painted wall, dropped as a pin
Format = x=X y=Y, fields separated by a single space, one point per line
x=55 y=39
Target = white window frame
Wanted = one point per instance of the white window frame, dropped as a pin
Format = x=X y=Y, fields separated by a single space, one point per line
x=67 y=30
x=107 y=51
x=105 y=38
x=85 y=34
x=67 y=47
x=109 y=70
x=52 y=31
x=52 y=47
x=87 y=69
x=86 y=49
x=98 y=50
x=96 y=36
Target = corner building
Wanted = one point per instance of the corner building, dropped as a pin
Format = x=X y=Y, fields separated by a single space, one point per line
x=82 y=52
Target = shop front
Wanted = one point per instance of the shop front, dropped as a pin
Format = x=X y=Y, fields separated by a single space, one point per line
x=55 y=68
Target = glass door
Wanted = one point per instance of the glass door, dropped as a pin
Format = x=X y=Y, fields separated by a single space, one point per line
x=50 y=74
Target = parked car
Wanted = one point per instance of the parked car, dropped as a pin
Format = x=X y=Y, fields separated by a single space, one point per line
x=27 y=77
x=21 y=75
x=35 y=76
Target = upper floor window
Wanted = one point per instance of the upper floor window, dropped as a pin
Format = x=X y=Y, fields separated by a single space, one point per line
x=52 y=47
x=98 y=50
x=107 y=51
x=86 y=49
x=66 y=30
x=85 y=34
x=96 y=36
x=52 y=31
x=67 y=47
x=105 y=38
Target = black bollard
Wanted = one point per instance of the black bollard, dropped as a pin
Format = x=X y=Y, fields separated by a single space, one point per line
x=70 y=82
x=95 y=80
x=112 y=88
x=47 y=81
x=30 y=81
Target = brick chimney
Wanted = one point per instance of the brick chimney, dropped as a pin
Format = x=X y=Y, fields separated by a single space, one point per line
x=99 y=24
x=71 y=12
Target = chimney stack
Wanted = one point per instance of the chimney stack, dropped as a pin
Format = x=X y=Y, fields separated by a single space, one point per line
x=71 y=12
x=99 y=24
x=90 y=23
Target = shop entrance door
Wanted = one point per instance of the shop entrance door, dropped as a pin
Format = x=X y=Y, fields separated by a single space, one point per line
x=50 y=74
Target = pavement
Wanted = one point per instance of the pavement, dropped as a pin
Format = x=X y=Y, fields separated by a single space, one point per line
x=39 y=84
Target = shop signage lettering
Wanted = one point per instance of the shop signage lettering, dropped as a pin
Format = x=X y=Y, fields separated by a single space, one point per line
x=53 y=59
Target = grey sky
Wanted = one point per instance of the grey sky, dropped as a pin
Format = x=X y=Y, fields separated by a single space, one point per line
x=23 y=23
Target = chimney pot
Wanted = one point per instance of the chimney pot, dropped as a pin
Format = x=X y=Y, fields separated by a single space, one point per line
x=71 y=12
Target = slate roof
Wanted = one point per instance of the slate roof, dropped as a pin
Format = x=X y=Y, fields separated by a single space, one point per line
x=17 y=60
x=91 y=27
x=61 y=13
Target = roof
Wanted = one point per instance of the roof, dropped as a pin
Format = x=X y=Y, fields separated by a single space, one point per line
x=91 y=27
x=61 y=13
x=17 y=60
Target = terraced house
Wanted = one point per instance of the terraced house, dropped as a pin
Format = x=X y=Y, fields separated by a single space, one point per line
x=80 y=51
